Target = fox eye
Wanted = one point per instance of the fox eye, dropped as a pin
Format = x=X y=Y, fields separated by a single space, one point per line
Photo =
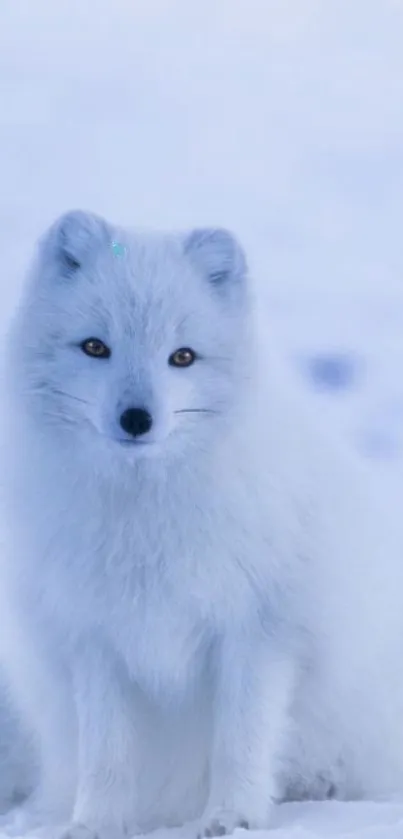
x=95 y=348
x=183 y=357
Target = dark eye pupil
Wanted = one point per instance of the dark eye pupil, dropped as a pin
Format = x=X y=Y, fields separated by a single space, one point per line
x=182 y=358
x=95 y=347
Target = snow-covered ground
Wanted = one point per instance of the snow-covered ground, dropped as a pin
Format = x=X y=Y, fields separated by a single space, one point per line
x=280 y=118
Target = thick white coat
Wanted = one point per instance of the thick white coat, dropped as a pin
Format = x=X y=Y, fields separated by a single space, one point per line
x=200 y=625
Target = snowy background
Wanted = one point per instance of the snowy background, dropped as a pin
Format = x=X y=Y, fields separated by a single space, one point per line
x=282 y=119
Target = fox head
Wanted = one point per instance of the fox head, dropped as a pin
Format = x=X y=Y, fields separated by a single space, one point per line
x=136 y=341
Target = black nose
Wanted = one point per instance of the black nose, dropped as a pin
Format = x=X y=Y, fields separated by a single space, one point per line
x=136 y=421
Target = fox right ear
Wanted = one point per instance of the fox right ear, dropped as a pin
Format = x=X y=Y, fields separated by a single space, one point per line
x=219 y=256
x=71 y=239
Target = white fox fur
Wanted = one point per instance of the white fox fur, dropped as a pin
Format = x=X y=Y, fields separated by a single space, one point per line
x=209 y=618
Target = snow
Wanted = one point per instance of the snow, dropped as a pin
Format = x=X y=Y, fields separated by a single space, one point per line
x=314 y=820
x=281 y=119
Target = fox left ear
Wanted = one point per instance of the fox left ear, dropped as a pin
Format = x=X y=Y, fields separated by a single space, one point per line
x=218 y=255
x=71 y=239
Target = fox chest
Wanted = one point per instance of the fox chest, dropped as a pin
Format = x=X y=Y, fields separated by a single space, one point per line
x=164 y=636
x=165 y=619
x=160 y=598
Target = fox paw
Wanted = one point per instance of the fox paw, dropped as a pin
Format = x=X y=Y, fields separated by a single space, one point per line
x=222 y=823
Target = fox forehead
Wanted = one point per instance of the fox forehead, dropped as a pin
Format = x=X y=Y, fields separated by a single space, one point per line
x=152 y=276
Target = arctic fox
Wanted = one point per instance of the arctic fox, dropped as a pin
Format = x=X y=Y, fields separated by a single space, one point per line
x=201 y=606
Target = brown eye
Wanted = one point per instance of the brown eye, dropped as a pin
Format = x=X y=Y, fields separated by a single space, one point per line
x=95 y=348
x=183 y=357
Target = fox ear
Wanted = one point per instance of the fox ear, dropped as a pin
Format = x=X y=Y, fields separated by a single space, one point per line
x=71 y=239
x=218 y=255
